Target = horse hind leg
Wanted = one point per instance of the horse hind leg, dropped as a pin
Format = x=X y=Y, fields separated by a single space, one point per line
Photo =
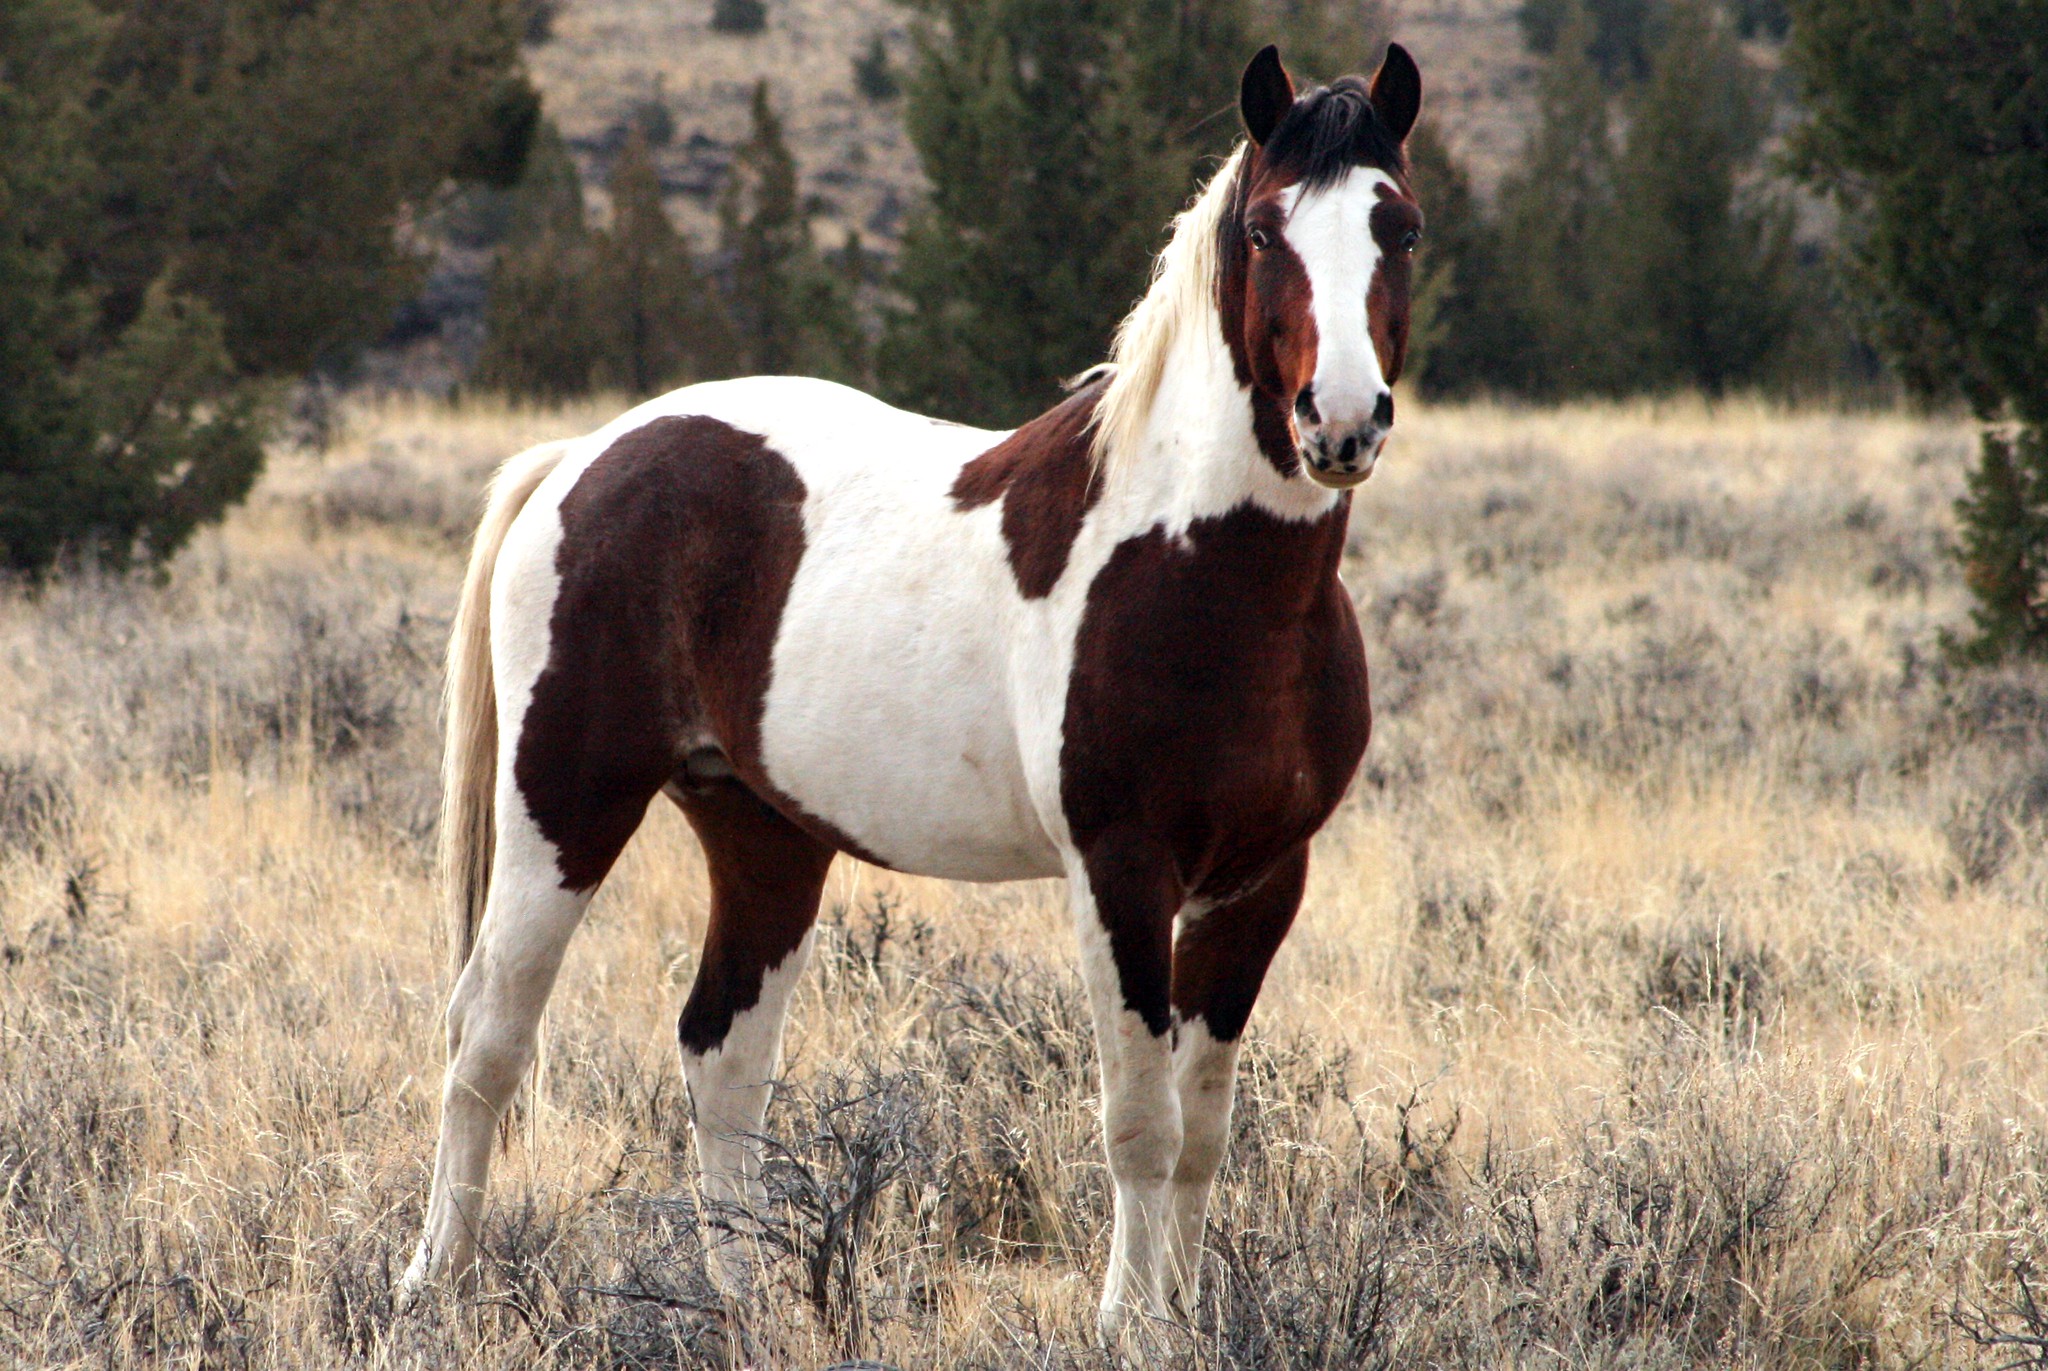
x=766 y=878
x=494 y=1014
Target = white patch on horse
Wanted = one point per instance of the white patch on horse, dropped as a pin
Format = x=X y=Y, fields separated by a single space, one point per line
x=1141 y=1124
x=1205 y=1078
x=1330 y=230
x=730 y=1088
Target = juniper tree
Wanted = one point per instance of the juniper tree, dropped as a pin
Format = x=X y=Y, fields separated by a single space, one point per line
x=267 y=151
x=1704 y=272
x=1464 y=337
x=1928 y=124
x=541 y=335
x=790 y=313
x=117 y=437
x=1557 y=227
x=573 y=310
x=1057 y=137
x=664 y=322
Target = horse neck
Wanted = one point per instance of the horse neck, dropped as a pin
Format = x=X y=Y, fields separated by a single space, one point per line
x=1199 y=457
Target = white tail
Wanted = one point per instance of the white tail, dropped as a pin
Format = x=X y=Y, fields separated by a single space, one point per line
x=469 y=765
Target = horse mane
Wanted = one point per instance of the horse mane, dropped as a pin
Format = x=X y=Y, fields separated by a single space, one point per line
x=1183 y=288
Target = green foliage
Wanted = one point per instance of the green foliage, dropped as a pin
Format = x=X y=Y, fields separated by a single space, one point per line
x=664 y=322
x=1632 y=248
x=873 y=77
x=739 y=16
x=536 y=20
x=540 y=323
x=1620 y=37
x=1557 y=291
x=573 y=311
x=2004 y=546
x=1058 y=136
x=1461 y=337
x=117 y=439
x=1707 y=295
x=790 y=313
x=1319 y=40
x=263 y=151
x=1929 y=126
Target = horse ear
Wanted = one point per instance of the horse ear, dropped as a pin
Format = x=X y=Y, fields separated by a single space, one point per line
x=1265 y=94
x=1397 y=92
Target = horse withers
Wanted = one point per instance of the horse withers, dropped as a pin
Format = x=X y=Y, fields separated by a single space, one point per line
x=1111 y=646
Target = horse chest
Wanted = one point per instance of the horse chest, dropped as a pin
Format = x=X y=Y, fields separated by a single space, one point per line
x=1218 y=696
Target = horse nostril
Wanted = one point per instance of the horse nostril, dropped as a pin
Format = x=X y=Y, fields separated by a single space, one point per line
x=1305 y=406
x=1383 y=412
x=1349 y=450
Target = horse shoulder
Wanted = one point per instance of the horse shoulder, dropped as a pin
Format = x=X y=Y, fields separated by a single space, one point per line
x=1046 y=480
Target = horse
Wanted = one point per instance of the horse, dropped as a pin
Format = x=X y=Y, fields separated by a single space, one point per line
x=1109 y=646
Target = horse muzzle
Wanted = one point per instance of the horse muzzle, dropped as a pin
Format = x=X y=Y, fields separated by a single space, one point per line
x=1342 y=456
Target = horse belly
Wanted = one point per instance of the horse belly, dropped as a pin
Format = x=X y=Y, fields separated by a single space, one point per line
x=886 y=715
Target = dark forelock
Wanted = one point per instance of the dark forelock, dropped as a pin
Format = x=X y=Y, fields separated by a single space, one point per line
x=1330 y=130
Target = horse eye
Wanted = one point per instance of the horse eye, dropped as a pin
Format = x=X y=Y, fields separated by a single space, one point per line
x=1410 y=239
x=1259 y=239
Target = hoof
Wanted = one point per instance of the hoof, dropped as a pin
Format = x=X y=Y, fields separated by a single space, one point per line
x=1140 y=1337
x=411 y=1291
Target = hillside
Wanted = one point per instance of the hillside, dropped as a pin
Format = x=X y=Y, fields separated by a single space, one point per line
x=607 y=57
x=607 y=61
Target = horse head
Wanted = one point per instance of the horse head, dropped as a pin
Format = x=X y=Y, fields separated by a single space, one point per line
x=1316 y=261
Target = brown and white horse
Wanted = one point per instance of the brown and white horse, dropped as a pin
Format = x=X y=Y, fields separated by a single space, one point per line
x=1111 y=646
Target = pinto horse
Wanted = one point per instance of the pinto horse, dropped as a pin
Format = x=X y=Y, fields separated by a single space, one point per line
x=1110 y=646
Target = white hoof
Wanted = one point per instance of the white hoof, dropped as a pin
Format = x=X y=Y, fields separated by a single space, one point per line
x=412 y=1287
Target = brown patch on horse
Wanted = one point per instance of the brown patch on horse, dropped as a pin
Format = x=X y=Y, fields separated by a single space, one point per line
x=1270 y=331
x=766 y=877
x=1043 y=475
x=1217 y=709
x=1388 y=295
x=679 y=545
x=1221 y=956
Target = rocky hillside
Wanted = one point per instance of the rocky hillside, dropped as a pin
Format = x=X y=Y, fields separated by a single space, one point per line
x=608 y=60
x=608 y=64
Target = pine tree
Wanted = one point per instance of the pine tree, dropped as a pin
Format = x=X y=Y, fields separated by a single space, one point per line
x=665 y=323
x=541 y=337
x=1058 y=138
x=118 y=438
x=1557 y=228
x=790 y=313
x=1705 y=277
x=1929 y=126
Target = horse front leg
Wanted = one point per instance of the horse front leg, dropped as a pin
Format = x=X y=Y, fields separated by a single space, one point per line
x=1124 y=898
x=1219 y=962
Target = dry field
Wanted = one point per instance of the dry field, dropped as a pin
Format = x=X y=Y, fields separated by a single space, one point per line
x=1670 y=991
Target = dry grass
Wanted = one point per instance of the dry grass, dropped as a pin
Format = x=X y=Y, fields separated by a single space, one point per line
x=1670 y=990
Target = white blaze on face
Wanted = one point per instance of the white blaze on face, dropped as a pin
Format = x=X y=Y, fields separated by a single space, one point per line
x=1330 y=230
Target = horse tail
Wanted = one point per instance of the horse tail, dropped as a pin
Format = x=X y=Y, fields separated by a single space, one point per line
x=469 y=763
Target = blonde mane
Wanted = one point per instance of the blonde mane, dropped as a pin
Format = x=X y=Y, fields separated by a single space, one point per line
x=1183 y=288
